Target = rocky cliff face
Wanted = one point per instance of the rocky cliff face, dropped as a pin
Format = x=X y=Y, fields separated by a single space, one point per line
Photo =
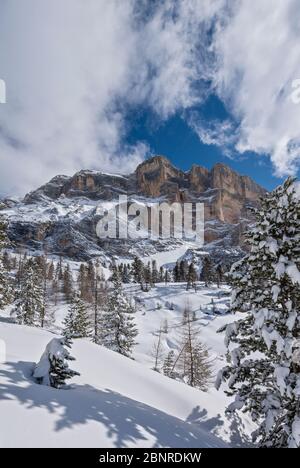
x=61 y=214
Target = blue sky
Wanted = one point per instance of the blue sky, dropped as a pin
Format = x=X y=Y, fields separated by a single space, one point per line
x=176 y=140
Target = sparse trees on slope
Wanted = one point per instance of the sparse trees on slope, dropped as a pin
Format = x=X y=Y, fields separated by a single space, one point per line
x=264 y=371
x=53 y=369
x=118 y=330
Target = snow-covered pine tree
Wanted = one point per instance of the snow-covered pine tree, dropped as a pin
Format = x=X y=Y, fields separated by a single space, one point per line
x=167 y=277
x=100 y=301
x=29 y=305
x=264 y=372
x=53 y=369
x=5 y=286
x=176 y=273
x=148 y=277
x=161 y=274
x=183 y=270
x=117 y=327
x=155 y=273
x=138 y=271
x=208 y=272
x=77 y=323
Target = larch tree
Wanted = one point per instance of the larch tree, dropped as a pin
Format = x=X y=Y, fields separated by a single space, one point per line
x=193 y=364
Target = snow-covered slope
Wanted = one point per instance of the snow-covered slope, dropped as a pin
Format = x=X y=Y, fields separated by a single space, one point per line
x=115 y=402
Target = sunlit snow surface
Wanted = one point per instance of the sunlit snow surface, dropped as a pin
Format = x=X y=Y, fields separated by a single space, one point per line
x=117 y=402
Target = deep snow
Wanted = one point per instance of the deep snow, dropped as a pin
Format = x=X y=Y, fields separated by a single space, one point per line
x=117 y=402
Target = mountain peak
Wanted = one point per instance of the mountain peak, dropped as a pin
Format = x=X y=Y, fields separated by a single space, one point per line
x=157 y=160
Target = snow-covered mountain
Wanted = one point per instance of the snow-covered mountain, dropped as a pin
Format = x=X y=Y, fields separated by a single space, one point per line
x=61 y=216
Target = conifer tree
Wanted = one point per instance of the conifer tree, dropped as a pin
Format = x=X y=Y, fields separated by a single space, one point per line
x=183 y=270
x=68 y=283
x=167 y=277
x=208 y=273
x=264 y=368
x=137 y=270
x=77 y=323
x=5 y=287
x=176 y=273
x=155 y=273
x=29 y=306
x=100 y=300
x=53 y=369
x=148 y=277
x=41 y=267
x=191 y=277
x=118 y=330
x=161 y=274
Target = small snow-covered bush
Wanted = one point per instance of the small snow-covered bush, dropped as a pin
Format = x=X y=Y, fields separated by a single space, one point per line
x=53 y=369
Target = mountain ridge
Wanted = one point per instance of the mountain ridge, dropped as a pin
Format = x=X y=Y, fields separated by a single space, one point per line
x=60 y=216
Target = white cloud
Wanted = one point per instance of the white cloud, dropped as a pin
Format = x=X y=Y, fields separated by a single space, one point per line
x=258 y=60
x=214 y=132
x=65 y=63
x=70 y=65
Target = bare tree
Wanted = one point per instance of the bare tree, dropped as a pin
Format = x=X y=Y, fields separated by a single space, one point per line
x=157 y=351
x=193 y=364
